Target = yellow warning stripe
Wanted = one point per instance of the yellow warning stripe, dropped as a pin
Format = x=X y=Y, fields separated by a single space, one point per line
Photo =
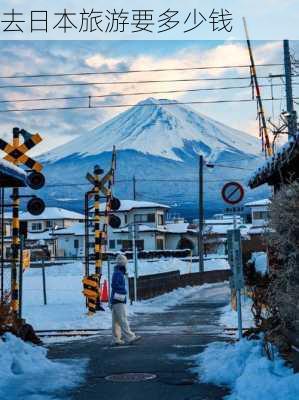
x=90 y=293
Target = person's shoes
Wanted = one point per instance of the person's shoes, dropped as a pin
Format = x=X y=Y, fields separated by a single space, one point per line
x=119 y=343
x=134 y=340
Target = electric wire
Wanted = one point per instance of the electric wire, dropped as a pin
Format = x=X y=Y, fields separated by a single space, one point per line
x=195 y=68
x=173 y=103
x=90 y=97
x=64 y=84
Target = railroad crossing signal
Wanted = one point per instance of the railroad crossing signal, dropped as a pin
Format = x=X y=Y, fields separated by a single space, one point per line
x=15 y=153
x=102 y=188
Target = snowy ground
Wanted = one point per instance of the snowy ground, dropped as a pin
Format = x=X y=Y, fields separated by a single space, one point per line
x=65 y=307
x=244 y=368
x=25 y=370
x=229 y=317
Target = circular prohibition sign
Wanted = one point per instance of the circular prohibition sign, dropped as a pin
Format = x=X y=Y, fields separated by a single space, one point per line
x=232 y=192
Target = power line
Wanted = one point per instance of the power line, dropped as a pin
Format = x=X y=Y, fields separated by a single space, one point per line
x=90 y=97
x=44 y=75
x=90 y=107
x=231 y=166
x=188 y=180
x=22 y=86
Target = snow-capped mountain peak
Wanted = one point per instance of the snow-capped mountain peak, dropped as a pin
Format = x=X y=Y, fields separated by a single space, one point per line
x=163 y=128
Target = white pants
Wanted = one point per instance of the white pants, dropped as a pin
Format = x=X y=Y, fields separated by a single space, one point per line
x=120 y=326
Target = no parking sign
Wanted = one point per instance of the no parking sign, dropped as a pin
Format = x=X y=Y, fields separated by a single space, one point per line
x=232 y=193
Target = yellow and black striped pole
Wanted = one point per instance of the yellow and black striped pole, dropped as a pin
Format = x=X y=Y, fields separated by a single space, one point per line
x=91 y=283
x=97 y=222
x=15 y=239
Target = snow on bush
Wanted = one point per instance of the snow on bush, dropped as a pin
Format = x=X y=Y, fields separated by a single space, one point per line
x=260 y=261
x=27 y=373
x=250 y=375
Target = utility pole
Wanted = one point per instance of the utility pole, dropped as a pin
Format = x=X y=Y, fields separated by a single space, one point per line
x=2 y=244
x=200 y=216
x=292 y=115
x=134 y=187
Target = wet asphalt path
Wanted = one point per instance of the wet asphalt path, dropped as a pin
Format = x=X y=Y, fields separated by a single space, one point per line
x=169 y=341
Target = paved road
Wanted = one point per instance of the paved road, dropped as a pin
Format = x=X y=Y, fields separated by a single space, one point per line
x=170 y=339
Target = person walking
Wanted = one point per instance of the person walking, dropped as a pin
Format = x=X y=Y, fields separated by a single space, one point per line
x=121 y=331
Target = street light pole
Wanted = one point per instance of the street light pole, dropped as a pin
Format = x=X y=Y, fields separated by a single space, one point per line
x=200 y=216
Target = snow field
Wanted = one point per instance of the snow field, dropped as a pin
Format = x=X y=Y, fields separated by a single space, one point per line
x=65 y=307
x=27 y=374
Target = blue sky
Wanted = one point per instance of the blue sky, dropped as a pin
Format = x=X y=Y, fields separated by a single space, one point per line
x=27 y=57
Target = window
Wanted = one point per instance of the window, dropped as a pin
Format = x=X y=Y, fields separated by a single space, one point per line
x=36 y=226
x=140 y=244
x=151 y=218
x=144 y=218
x=119 y=242
x=126 y=245
x=260 y=215
x=49 y=224
x=112 y=244
x=160 y=244
x=126 y=219
x=76 y=243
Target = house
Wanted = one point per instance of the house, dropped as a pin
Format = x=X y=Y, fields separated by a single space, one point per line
x=52 y=218
x=70 y=241
x=149 y=219
x=42 y=227
x=259 y=213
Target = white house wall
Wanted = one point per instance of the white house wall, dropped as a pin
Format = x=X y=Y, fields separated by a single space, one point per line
x=66 y=245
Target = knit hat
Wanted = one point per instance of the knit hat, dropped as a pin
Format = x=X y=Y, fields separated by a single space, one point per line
x=121 y=260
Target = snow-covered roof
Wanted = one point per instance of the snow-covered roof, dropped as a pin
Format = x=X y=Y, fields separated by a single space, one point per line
x=77 y=229
x=181 y=227
x=128 y=205
x=222 y=229
x=47 y=235
x=52 y=213
x=259 y=230
x=141 y=228
x=257 y=203
x=270 y=167
x=226 y=221
x=10 y=170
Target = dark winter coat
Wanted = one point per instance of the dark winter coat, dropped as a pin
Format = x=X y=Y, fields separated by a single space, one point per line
x=118 y=284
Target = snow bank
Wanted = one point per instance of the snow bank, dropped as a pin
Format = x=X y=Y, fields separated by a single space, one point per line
x=173 y=264
x=163 y=302
x=250 y=375
x=27 y=373
x=229 y=317
x=260 y=261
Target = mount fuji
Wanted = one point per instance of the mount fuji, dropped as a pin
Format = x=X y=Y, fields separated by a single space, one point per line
x=158 y=142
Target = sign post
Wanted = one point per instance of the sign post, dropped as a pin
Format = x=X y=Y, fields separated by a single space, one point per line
x=232 y=193
x=134 y=234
